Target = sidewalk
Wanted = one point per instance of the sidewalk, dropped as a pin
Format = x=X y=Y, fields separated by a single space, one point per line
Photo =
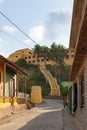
x=68 y=121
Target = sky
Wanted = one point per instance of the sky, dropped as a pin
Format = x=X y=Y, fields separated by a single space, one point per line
x=44 y=21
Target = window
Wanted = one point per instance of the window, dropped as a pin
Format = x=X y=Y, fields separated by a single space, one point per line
x=29 y=57
x=72 y=56
x=42 y=60
x=29 y=62
x=25 y=57
x=34 y=56
x=30 y=52
x=33 y=61
x=47 y=59
x=16 y=56
x=38 y=60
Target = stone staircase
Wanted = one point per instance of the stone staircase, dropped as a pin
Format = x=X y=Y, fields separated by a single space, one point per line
x=55 y=89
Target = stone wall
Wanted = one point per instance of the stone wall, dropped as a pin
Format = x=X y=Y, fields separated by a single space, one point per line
x=81 y=113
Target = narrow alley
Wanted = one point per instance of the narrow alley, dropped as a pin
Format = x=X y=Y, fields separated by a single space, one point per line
x=46 y=116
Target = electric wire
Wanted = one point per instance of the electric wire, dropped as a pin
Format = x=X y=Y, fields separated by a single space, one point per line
x=17 y=27
x=13 y=37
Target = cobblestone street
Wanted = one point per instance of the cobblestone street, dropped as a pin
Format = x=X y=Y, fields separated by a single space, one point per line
x=49 y=115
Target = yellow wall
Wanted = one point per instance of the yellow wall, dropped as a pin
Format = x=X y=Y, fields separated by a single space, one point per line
x=31 y=57
x=69 y=60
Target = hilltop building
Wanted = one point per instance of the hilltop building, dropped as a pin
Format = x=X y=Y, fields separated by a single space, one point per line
x=69 y=60
x=31 y=57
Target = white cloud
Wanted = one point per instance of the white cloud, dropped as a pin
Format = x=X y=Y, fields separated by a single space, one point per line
x=2 y=42
x=37 y=33
x=55 y=29
x=9 y=29
x=58 y=24
x=29 y=43
x=2 y=51
x=1 y=1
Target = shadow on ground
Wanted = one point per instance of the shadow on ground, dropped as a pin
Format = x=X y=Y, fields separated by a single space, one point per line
x=46 y=121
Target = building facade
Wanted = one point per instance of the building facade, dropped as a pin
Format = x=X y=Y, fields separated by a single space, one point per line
x=69 y=60
x=9 y=86
x=31 y=57
x=78 y=42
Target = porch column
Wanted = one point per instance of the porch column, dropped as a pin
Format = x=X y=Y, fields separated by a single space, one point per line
x=4 y=79
x=17 y=85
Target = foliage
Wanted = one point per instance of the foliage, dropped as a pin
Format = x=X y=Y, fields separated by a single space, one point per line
x=64 y=72
x=34 y=78
x=64 y=91
x=61 y=73
x=57 y=53
x=59 y=70
x=64 y=87
x=22 y=63
x=42 y=51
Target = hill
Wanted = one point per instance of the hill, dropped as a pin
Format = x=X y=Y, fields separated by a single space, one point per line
x=35 y=77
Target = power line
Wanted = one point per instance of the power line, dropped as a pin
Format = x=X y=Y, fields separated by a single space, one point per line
x=17 y=27
x=12 y=37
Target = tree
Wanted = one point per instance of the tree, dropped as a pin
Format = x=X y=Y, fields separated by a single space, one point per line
x=58 y=53
x=22 y=63
x=37 y=49
x=42 y=51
